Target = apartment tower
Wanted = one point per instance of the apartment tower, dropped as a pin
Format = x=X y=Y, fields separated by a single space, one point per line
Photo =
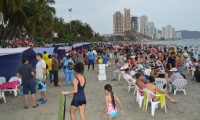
x=143 y=23
x=173 y=33
x=134 y=23
x=118 y=26
x=169 y=30
x=164 y=33
x=127 y=19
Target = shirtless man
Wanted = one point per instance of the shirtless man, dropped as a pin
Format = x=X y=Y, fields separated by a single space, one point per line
x=153 y=88
x=180 y=63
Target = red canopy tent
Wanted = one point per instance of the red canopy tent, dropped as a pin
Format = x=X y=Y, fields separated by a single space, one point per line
x=31 y=43
x=21 y=42
x=17 y=42
x=24 y=42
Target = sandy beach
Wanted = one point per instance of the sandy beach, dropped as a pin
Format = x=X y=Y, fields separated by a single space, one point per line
x=187 y=107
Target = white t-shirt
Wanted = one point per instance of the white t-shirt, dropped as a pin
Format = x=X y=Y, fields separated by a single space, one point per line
x=192 y=64
x=39 y=68
x=127 y=76
x=95 y=53
x=125 y=66
x=132 y=72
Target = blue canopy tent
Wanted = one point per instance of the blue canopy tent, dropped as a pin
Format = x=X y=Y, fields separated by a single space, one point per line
x=86 y=45
x=11 y=60
x=63 y=50
x=49 y=51
x=77 y=46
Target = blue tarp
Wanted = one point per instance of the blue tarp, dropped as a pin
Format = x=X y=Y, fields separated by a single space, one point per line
x=41 y=50
x=11 y=60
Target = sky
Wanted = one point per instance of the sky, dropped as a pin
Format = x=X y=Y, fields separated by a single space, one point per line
x=181 y=14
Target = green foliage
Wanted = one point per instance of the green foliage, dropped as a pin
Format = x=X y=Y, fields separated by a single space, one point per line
x=36 y=19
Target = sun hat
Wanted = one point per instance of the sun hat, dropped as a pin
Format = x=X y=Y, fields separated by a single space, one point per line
x=173 y=70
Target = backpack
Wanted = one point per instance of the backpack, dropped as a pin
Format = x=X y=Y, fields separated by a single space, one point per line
x=70 y=65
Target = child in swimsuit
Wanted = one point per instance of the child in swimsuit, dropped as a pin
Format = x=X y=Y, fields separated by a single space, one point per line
x=111 y=100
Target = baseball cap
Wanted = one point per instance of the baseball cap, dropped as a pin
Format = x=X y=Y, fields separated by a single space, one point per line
x=173 y=70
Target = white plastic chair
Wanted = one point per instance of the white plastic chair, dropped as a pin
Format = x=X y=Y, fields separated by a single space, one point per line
x=154 y=105
x=2 y=80
x=15 y=89
x=179 y=85
x=2 y=95
x=139 y=98
x=108 y=64
x=160 y=82
x=188 y=69
x=130 y=85
x=120 y=74
x=147 y=72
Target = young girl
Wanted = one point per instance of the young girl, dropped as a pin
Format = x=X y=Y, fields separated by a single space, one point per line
x=111 y=100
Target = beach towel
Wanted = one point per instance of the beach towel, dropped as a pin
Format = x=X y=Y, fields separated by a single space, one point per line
x=161 y=97
x=9 y=85
x=61 y=114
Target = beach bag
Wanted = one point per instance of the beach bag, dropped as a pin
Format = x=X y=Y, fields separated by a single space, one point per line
x=70 y=65
x=62 y=103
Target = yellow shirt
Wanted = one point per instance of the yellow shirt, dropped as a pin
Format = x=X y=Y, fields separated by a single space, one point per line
x=49 y=63
x=100 y=61
x=45 y=57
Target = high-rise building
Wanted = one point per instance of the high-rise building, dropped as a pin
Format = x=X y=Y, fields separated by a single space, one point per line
x=169 y=31
x=143 y=23
x=134 y=23
x=127 y=19
x=164 y=32
x=178 y=35
x=157 y=34
x=118 y=26
x=151 y=28
x=146 y=30
x=173 y=33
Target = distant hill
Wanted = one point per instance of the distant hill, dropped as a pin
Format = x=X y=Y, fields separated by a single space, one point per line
x=189 y=34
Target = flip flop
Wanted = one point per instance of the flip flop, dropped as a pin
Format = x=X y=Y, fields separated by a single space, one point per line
x=36 y=106
x=25 y=107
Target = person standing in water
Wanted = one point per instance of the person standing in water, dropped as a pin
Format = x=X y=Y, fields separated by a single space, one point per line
x=111 y=100
x=79 y=99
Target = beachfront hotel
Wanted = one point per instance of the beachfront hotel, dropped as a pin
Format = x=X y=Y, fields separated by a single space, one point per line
x=118 y=26
x=127 y=19
x=169 y=30
x=173 y=33
x=134 y=23
x=164 y=33
x=143 y=24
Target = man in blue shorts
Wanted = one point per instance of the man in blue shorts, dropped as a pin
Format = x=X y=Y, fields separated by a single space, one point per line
x=26 y=73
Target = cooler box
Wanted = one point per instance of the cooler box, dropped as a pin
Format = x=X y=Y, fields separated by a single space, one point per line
x=102 y=72
x=101 y=77
x=102 y=67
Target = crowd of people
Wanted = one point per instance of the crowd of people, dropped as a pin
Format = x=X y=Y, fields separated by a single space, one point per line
x=131 y=60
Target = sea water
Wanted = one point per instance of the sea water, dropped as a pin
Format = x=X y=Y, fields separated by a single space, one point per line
x=190 y=43
x=184 y=42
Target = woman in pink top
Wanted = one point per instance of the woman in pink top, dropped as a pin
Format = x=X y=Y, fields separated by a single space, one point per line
x=139 y=82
